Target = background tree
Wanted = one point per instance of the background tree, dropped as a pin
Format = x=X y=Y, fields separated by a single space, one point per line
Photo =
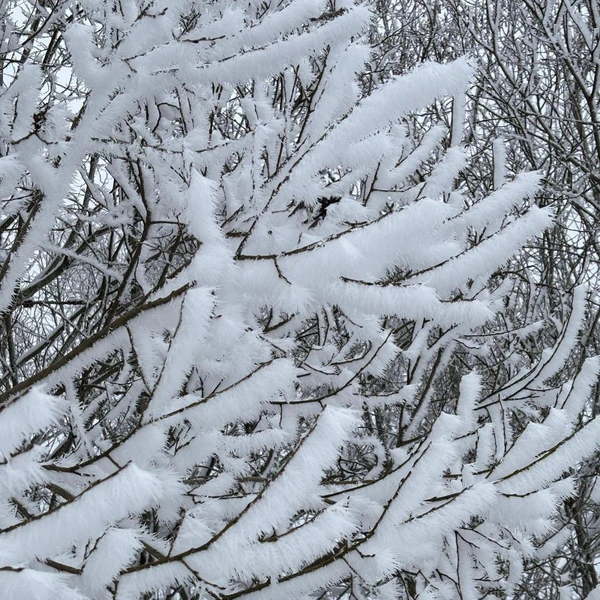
x=240 y=289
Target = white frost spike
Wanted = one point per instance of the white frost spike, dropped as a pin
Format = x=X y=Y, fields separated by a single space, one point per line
x=297 y=486
x=27 y=415
x=491 y=210
x=200 y=209
x=432 y=525
x=485 y=446
x=30 y=584
x=549 y=466
x=11 y=170
x=442 y=178
x=190 y=335
x=582 y=387
x=133 y=584
x=145 y=446
x=79 y=38
x=458 y=118
x=19 y=473
x=499 y=163
x=26 y=89
x=556 y=357
x=114 y=551
x=128 y=491
x=392 y=590
x=406 y=93
x=470 y=390
x=300 y=546
x=214 y=262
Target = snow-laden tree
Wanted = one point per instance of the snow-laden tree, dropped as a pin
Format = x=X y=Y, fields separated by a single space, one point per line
x=239 y=290
x=531 y=106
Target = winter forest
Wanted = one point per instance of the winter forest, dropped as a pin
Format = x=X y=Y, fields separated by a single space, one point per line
x=299 y=299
